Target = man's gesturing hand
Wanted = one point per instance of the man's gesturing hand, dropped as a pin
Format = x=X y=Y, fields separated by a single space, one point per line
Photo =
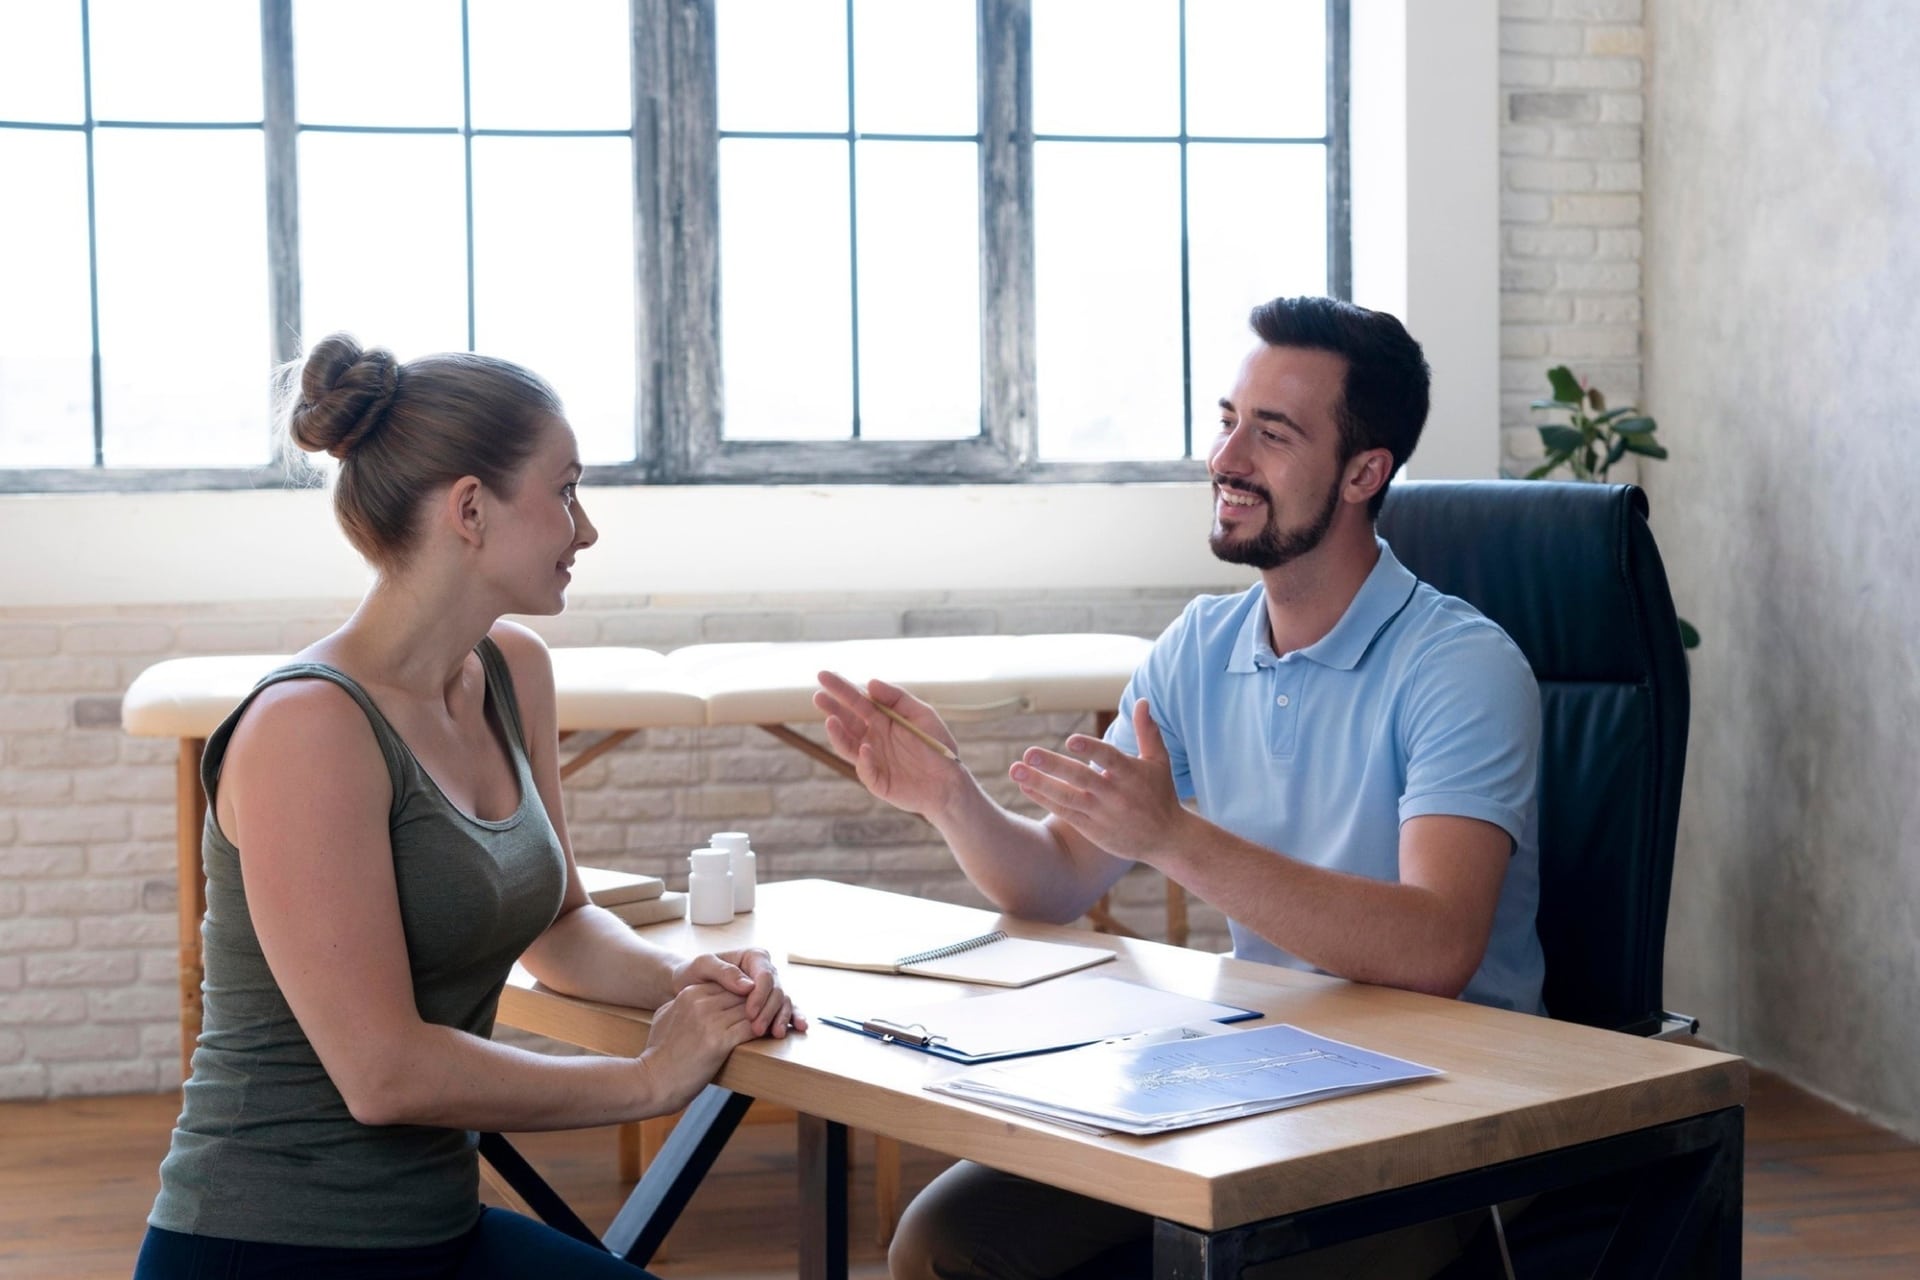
x=1125 y=804
x=895 y=765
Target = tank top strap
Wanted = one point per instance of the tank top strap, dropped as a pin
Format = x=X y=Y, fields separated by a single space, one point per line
x=505 y=701
x=392 y=749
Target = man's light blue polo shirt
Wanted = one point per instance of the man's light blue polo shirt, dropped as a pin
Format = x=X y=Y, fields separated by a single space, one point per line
x=1413 y=704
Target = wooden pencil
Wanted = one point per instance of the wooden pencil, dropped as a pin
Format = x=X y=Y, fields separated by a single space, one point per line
x=915 y=730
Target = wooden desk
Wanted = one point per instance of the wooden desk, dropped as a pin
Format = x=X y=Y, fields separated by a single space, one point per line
x=615 y=692
x=1527 y=1105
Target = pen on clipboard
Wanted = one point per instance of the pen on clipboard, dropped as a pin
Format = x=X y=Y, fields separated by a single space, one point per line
x=915 y=730
x=915 y=1034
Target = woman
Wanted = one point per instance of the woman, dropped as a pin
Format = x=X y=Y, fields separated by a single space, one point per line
x=384 y=839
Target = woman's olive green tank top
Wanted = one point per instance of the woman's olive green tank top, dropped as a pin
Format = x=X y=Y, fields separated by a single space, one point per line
x=265 y=1148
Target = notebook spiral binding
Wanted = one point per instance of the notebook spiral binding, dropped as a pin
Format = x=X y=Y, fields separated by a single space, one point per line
x=941 y=953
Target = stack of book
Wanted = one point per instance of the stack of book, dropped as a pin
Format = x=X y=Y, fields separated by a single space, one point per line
x=637 y=899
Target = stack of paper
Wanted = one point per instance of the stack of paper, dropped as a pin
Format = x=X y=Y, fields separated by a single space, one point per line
x=636 y=899
x=1180 y=1077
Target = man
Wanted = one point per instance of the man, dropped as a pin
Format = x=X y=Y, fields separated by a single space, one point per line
x=1360 y=752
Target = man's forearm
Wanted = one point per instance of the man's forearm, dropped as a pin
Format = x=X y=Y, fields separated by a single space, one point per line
x=1386 y=932
x=1022 y=866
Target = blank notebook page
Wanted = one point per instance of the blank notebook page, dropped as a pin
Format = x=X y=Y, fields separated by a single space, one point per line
x=1010 y=962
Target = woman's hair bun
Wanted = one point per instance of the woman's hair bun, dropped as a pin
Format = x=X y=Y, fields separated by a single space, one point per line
x=343 y=396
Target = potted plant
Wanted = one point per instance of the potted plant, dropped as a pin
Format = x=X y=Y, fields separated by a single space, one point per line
x=1593 y=438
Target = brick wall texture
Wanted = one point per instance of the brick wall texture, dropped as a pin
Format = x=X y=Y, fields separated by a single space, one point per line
x=1571 y=104
x=88 y=995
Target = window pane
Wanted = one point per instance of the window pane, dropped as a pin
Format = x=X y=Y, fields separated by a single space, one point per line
x=782 y=64
x=1106 y=67
x=383 y=240
x=786 y=338
x=1287 y=98
x=373 y=62
x=176 y=62
x=40 y=62
x=554 y=274
x=1257 y=229
x=46 y=342
x=919 y=290
x=914 y=66
x=1107 y=300
x=551 y=66
x=184 y=350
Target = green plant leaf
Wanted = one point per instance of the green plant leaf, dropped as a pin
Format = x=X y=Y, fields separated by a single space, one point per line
x=1561 y=440
x=1616 y=451
x=1611 y=414
x=1545 y=469
x=1689 y=638
x=1637 y=427
x=1645 y=448
x=1565 y=385
x=1569 y=405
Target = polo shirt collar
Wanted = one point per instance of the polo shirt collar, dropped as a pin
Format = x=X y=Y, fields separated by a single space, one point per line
x=1381 y=597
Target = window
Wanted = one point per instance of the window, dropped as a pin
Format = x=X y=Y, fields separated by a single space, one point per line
x=750 y=240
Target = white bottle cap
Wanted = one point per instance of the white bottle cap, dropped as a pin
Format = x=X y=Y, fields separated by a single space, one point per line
x=730 y=840
x=715 y=861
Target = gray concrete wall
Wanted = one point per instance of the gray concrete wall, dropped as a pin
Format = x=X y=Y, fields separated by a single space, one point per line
x=1783 y=362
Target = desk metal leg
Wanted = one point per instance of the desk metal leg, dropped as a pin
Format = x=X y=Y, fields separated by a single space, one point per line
x=823 y=1199
x=670 y=1181
x=527 y=1183
x=1680 y=1215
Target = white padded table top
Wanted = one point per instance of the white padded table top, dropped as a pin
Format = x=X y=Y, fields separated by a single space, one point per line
x=965 y=677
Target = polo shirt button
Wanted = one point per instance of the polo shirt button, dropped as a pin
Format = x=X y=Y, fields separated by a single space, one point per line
x=1281 y=701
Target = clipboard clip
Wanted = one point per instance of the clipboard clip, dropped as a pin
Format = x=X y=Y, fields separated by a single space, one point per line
x=912 y=1033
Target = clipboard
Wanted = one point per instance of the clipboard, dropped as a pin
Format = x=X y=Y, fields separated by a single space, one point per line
x=1037 y=1019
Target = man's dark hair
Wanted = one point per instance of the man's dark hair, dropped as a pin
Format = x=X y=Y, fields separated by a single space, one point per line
x=1383 y=404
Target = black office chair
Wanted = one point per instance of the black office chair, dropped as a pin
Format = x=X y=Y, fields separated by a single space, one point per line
x=1570 y=571
x=1572 y=574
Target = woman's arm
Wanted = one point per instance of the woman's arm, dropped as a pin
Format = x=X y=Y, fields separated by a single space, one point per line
x=307 y=794
x=591 y=953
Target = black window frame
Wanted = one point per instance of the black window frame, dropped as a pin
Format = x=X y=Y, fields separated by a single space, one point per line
x=679 y=395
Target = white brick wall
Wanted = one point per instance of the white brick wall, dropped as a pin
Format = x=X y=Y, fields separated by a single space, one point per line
x=88 y=951
x=1571 y=75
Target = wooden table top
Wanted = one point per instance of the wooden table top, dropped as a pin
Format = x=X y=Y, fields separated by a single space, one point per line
x=1515 y=1085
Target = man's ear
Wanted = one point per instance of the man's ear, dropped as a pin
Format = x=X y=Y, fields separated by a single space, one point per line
x=1367 y=473
x=466 y=509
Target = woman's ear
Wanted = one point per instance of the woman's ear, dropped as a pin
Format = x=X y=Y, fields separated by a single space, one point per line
x=466 y=508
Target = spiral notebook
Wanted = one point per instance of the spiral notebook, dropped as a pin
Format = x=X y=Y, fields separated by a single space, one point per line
x=994 y=959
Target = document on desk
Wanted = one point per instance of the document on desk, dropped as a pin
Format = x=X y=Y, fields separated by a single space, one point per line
x=1181 y=1077
x=1037 y=1019
x=994 y=958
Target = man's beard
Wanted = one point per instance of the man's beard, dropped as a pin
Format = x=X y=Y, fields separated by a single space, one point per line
x=1274 y=546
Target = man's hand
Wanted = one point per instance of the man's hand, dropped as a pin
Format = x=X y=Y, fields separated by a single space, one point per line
x=1125 y=804
x=749 y=973
x=891 y=762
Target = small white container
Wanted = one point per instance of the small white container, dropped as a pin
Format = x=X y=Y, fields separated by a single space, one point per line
x=710 y=886
x=740 y=848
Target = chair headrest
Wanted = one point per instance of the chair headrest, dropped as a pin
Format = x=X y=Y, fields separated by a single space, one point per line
x=1562 y=567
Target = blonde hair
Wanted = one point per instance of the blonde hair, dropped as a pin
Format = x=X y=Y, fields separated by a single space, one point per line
x=401 y=431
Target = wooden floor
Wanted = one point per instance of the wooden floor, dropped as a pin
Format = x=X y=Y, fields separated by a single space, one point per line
x=1827 y=1195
